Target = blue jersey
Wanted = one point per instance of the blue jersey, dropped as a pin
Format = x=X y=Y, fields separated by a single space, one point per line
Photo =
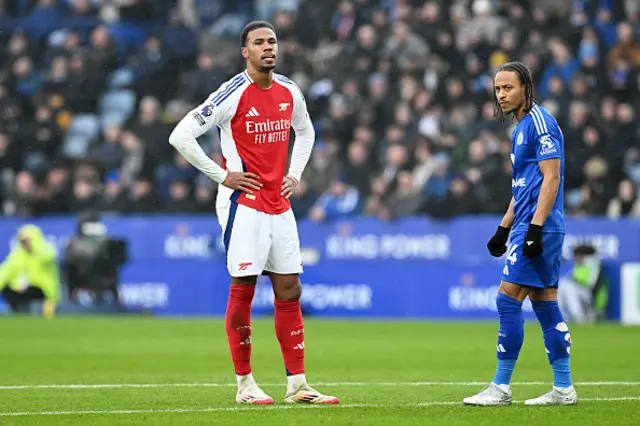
x=537 y=137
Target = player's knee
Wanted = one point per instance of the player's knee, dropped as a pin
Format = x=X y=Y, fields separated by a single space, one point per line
x=548 y=313
x=288 y=291
x=508 y=305
x=514 y=291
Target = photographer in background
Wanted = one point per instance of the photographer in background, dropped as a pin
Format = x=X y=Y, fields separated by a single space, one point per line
x=584 y=293
x=92 y=263
x=30 y=273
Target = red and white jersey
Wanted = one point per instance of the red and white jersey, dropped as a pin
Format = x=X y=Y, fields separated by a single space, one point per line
x=254 y=125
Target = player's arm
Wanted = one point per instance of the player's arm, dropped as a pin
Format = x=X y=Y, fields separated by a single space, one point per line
x=303 y=145
x=550 y=170
x=507 y=219
x=184 y=139
x=548 y=151
x=497 y=245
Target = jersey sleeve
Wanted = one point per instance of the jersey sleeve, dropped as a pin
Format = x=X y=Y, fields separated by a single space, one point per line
x=300 y=117
x=217 y=110
x=305 y=134
x=214 y=111
x=545 y=136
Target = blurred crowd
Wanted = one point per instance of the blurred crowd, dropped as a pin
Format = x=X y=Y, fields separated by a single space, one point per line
x=400 y=92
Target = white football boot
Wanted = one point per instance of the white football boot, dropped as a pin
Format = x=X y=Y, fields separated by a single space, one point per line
x=298 y=391
x=250 y=393
x=492 y=395
x=556 y=396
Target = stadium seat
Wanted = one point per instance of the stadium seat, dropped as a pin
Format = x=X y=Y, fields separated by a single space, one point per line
x=121 y=78
x=112 y=119
x=118 y=101
x=82 y=130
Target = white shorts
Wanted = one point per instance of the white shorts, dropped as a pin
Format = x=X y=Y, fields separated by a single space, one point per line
x=258 y=242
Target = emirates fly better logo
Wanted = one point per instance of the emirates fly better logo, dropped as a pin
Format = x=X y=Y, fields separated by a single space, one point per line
x=269 y=131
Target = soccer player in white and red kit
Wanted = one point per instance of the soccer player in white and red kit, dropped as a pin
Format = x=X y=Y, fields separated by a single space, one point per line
x=253 y=113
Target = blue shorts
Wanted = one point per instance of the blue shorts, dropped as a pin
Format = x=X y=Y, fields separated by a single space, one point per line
x=540 y=272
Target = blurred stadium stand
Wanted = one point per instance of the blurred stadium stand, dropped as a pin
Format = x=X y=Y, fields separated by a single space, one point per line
x=400 y=92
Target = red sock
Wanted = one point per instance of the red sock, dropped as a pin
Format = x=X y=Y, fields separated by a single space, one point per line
x=290 y=333
x=238 y=324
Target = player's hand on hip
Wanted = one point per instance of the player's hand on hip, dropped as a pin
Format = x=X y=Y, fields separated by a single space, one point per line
x=497 y=245
x=532 y=246
x=288 y=185
x=243 y=181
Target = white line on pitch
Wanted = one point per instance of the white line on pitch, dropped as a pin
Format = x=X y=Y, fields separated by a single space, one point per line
x=345 y=384
x=271 y=407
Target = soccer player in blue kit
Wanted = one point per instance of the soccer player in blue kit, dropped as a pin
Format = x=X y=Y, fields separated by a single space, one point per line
x=535 y=220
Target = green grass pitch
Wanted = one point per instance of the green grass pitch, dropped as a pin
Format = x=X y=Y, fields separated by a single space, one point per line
x=130 y=371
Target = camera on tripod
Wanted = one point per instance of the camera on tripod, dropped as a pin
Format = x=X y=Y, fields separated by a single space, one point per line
x=92 y=264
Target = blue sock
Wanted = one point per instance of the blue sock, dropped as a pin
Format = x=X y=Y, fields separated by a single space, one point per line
x=504 y=371
x=510 y=337
x=557 y=341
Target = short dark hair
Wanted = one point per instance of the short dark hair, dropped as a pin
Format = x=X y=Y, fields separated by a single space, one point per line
x=253 y=25
x=524 y=75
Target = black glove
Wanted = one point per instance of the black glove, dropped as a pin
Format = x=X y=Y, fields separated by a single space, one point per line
x=533 y=241
x=497 y=245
